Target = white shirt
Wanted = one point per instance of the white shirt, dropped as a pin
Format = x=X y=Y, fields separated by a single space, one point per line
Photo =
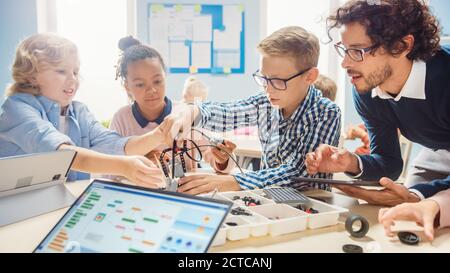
x=63 y=126
x=414 y=87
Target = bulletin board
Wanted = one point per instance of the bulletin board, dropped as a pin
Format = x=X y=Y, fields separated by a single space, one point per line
x=204 y=39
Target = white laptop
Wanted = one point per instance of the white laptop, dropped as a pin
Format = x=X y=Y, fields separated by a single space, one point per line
x=33 y=184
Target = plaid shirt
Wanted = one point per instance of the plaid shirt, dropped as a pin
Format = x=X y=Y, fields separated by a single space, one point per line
x=285 y=142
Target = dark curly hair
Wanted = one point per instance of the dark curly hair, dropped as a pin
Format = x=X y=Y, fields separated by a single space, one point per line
x=133 y=50
x=387 y=22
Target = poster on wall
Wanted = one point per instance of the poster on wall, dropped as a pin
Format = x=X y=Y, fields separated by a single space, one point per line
x=199 y=38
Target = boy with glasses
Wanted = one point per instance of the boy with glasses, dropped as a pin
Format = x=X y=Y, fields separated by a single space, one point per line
x=292 y=116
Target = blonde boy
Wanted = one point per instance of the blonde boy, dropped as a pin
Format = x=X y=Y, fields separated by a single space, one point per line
x=291 y=115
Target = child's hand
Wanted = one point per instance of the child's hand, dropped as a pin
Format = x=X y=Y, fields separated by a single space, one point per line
x=356 y=132
x=180 y=124
x=163 y=132
x=205 y=183
x=219 y=155
x=142 y=171
x=423 y=213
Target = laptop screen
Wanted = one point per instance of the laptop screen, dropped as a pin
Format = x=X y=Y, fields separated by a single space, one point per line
x=110 y=217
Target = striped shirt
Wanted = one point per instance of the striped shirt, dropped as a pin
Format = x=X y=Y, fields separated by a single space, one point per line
x=285 y=142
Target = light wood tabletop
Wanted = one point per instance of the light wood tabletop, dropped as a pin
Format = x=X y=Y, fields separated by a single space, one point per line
x=24 y=236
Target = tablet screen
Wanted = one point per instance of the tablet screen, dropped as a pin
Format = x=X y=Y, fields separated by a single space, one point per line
x=111 y=217
x=337 y=182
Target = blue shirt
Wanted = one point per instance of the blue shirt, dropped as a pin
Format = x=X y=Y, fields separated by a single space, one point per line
x=424 y=121
x=285 y=142
x=28 y=124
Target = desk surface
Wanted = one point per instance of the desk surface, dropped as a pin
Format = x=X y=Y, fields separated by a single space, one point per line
x=24 y=236
x=247 y=146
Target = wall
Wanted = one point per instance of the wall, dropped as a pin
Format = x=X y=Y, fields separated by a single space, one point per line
x=18 y=19
x=282 y=13
x=97 y=44
x=222 y=87
x=441 y=8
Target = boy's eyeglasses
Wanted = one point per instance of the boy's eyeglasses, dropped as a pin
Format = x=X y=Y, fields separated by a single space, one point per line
x=356 y=54
x=278 y=84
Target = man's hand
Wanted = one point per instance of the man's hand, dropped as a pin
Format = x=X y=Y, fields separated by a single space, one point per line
x=328 y=159
x=423 y=213
x=393 y=194
x=219 y=155
x=205 y=183
x=142 y=171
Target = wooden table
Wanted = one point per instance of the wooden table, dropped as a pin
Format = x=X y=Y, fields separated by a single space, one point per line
x=24 y=236
x=248 y=148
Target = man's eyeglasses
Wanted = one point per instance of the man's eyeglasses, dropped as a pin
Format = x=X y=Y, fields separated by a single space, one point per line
x=278 y=84
x=356 y=54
